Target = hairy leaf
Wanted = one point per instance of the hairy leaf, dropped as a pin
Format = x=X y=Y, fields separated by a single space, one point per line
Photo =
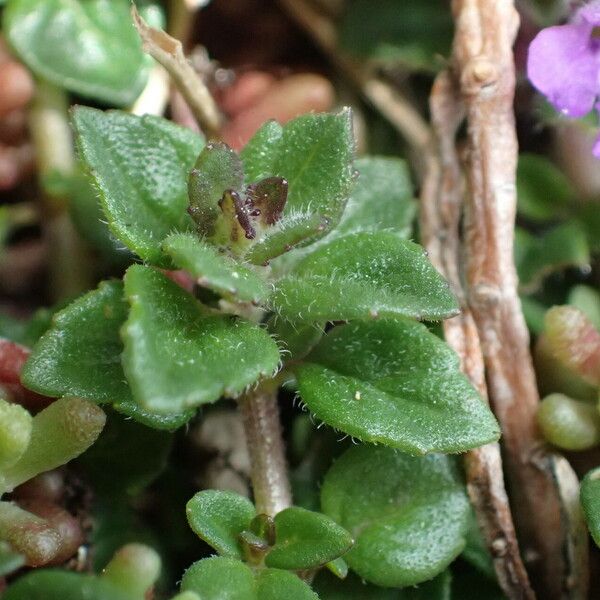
x=394 y=382
x=80 y=355
x=364 y=275
x=214 y=270
x=140 y=167
x=178 y=355
x=408 y=515
x=314 y=154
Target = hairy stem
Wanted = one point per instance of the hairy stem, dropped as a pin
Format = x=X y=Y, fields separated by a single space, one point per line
x=483 y=69
x=260 y=413
x=441 y=209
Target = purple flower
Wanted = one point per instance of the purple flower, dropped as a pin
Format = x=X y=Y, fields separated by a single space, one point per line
x=564 y=64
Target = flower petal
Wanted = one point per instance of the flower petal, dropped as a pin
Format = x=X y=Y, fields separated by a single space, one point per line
x=590 y=13
x=562 y=64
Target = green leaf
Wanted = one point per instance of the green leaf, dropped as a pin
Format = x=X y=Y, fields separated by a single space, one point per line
x=80 y=46
x=543 y=190
x=217 y=169
x=413 y=32
x=214 y=270
x=364 y=275
x=218 y=517
x=178 y=355
x=86 y=212
x=274 y=584
x=394 y=382
x=536 y=257
x=140 y=167
x=51 y=584
x=314 y=154
x=305 y=539
x=81 y=356
x=220 y=578
x=590 y=501
x=408 y=515
x=381 y=200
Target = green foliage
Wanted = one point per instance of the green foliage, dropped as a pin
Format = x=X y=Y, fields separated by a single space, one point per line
x=590 y=501
x=80 y=355
x=414 y=32
x=400 y=386
x=408 y=515
x=214 y=270
x=218 y=517
x=587 y=300
x=220 y=578
x=305 y=540
x=140 y=167
x=364 y=275
x=166 y=335
x=80 y=45
x=313 y=153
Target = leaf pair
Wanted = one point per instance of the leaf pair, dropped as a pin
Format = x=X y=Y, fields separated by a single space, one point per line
x=302 y=539
x=175 y=354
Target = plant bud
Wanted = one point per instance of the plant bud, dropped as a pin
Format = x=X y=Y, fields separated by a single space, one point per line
x=134 y=568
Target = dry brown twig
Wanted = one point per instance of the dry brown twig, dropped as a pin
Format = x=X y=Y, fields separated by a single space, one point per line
x=169 y=53
x=540 y=482
x=441 y=208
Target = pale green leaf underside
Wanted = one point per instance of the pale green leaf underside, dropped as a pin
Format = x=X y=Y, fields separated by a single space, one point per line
x=178 y=355
x=395 y=383
x=215 y=270
x=90 y=48
x=80 y=355
x=408 y=514
x=364 y=275
x=140 y=167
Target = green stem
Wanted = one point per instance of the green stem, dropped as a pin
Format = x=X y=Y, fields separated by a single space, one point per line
x=260 y=413
x=69 y=268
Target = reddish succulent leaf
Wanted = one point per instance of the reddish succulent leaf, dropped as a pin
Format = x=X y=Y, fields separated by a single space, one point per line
x=12 y=359
x=574 y=341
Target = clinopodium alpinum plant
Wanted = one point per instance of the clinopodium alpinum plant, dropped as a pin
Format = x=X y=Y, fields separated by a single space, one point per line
x=300 y=276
